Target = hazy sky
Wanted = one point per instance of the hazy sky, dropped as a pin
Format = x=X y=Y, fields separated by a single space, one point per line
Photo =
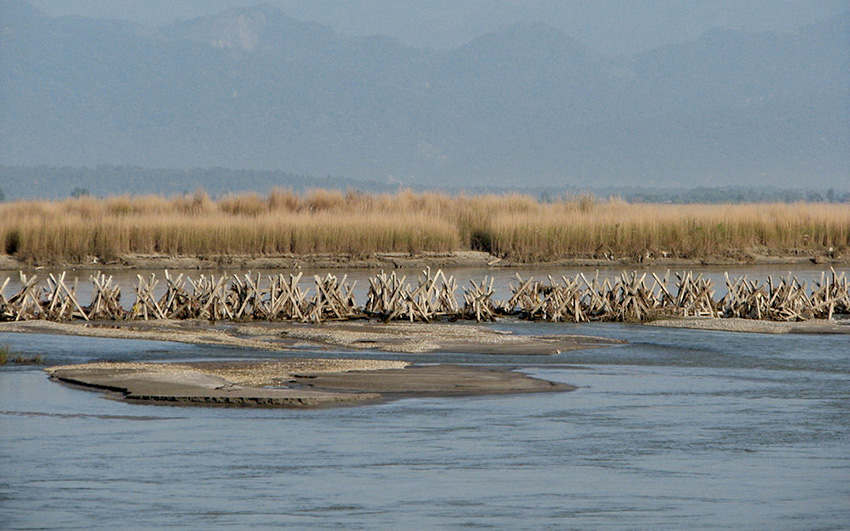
x=735 y=108
x=609 y=26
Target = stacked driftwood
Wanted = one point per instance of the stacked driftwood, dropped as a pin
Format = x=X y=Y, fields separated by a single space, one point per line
x=285 y=299
x=390 y=297
x=631 y=297
x=694 y=296
x=58 y=301
x=105 y=300
x=334 y=299
x=478 y=301
x=559 y=300
x=628 y=297
x=831 y=295
x=786 y=299
x=23 y=305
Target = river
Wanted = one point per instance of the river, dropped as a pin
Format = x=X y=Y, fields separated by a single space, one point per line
x=678 y=429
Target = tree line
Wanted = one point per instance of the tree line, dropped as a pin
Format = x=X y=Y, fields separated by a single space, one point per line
x=54 y=182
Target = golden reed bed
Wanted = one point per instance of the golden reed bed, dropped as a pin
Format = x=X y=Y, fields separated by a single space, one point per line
x=514 y=227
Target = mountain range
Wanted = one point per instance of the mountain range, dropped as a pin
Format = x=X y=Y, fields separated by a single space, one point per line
x=252 y=88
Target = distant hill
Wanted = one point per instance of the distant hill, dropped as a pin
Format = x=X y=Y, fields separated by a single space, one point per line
x=254 y=89
x=53 y=182
x=61 y=182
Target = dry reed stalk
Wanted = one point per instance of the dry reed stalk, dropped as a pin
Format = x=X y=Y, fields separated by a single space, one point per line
x=321 y=221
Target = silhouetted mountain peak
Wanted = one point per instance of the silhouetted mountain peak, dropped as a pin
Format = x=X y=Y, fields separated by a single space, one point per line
x=532 y=56
x=248 y=28
x=240 y=30
x=524 y=39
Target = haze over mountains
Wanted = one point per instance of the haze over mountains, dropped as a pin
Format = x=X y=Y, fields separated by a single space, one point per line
x=613 y=27
x=526 y=104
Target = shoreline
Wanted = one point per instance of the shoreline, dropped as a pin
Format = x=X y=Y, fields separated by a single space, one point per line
x=350 y=336
x=459 y=259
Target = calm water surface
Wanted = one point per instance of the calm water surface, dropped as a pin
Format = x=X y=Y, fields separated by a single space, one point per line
x=678 y=429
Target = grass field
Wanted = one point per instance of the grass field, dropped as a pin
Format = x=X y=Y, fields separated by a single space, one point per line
x=516 y=227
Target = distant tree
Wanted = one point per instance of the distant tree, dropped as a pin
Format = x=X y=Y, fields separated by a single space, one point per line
x=2 y=195
x=78 y=192
x=830 y=195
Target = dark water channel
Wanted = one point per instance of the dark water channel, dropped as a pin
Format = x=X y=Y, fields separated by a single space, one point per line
x=676 y=430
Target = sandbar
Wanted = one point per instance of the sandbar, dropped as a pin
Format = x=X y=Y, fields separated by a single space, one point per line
x=399 y=337
x=734 y=324
x=293 y=383
x=305 y=381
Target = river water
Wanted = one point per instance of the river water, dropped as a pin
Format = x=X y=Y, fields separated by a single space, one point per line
x=677 y=429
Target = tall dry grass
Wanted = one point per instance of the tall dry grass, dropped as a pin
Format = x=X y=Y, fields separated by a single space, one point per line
x=692 y=231
x=326 y=221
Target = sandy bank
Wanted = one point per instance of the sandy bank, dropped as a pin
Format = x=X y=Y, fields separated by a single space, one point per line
x=758 y=327
x=358 y=335
x=292 y=382
x=407 y=260
x=287 y=261
x=301 y=382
